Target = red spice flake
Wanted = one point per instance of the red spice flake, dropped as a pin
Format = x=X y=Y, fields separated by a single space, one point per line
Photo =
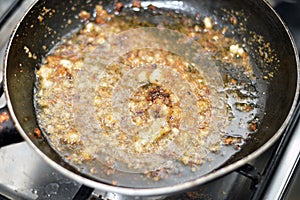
x=68 y=157
x=73 y=57
x=228 y=141
x=99 y=20
x=119 y=6
x=62 y=72
x=84 y=15
x=252 y=127
x=102 y=15
x=234 y=141
x=233 y=81
x=233 y=20
x=136 y=4
x=37 y=133
x=237 y=147
x=102 y=12
x=4 y=117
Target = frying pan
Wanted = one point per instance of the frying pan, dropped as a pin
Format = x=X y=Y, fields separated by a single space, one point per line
x=280 y=93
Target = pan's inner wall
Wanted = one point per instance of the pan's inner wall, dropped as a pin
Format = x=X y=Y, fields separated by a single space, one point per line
x=47 y=21
x=281 y=89
x=279 y=93
x=39 y=31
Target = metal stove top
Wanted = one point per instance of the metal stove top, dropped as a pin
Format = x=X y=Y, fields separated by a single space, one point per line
x=24 y=175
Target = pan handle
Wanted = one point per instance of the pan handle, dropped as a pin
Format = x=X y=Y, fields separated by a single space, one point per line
x=8 y=132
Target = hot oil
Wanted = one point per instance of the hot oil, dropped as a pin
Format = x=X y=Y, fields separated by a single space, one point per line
x=239 y=98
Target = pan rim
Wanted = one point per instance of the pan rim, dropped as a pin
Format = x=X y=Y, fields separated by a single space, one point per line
x=160 y=190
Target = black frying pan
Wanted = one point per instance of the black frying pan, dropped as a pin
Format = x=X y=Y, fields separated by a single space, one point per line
x=279 y=93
